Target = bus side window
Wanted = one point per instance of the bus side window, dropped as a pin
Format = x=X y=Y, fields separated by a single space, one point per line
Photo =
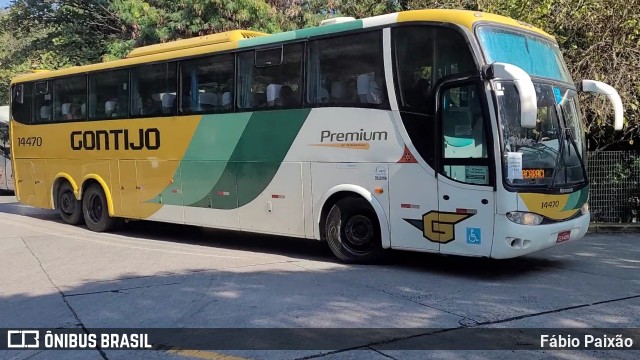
x=43 y=109
x=346 y=71
x=153 y=90
x=109 y=95
x=69 y=96
x=423 y=56
x=22 y=103
x=204 y=83
x=271 y=78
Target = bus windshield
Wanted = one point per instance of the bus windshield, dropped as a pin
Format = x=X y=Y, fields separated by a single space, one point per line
x=551 y=155
x=535 y=55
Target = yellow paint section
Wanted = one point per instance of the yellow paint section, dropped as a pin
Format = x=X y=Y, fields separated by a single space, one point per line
x=201 y=354
x=157 y=175
x=465 y=18
x=548 y=205
x=129 y=177
x=219 y=38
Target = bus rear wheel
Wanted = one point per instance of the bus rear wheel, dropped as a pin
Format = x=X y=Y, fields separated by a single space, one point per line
x=69 y=207
x=96 y=210
x=353 y=231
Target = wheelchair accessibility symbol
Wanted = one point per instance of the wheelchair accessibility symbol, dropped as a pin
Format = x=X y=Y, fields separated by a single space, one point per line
x=474 y=236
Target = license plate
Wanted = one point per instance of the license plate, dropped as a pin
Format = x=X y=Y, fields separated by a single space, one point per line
x=564 y=236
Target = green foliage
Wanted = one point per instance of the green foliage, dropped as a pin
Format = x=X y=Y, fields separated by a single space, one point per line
x=600 y=39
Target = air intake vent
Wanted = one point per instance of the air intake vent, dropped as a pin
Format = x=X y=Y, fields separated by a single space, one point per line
x=212 y=39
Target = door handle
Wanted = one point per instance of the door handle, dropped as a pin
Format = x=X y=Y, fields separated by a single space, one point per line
x=485 y=201
x=446 y=197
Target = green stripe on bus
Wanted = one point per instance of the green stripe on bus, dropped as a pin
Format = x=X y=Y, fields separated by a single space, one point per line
x=301 y=34
x=577 y=199
x=256 y=158
x=206 y=158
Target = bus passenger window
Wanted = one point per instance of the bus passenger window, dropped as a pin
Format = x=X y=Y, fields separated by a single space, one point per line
x=346 y=71
x=69 y=98
x=109 y=95
x=270 y=79
x=206 y=84
x=423 y=56
x=43 y=100
x=153 y=90
x=21 y=103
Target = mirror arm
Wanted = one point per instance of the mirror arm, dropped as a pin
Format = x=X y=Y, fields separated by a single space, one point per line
x=601 y=88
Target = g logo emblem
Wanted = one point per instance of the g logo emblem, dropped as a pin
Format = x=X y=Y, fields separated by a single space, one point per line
x=437 y=226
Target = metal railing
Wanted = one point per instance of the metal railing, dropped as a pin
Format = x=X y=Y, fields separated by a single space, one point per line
x=614 y=195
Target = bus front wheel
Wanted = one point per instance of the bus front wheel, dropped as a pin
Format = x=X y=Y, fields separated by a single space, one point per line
x=69 y=207
x=353 y=231
x=96 y=210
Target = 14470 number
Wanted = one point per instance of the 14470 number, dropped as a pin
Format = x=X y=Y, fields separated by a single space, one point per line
x=30 y=141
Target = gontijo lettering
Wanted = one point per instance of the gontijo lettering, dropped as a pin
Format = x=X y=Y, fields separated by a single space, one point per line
x=115 y=139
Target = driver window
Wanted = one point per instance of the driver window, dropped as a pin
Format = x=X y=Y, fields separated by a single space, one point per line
x=464 y=145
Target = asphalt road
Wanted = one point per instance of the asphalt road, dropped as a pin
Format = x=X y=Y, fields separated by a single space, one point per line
x=152 y=275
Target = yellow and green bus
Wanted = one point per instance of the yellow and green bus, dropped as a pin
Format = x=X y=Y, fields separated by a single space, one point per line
x=443 y=131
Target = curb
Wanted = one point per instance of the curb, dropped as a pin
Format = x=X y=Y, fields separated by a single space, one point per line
x=613 y=228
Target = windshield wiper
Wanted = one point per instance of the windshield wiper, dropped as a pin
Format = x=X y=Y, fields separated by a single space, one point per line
x=566 y=136
x=574 y=144
x=560 y=157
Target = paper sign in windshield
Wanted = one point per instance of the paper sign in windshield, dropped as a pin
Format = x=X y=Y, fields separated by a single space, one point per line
x=514 y=166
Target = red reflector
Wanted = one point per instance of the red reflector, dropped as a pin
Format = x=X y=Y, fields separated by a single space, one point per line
x=466 y=211
x=410 y=206
x=222 y=193
x=407 y=156
x=277 y=196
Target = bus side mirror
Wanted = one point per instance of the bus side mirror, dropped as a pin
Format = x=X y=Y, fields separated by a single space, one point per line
x=601 y=88
x=524 y=85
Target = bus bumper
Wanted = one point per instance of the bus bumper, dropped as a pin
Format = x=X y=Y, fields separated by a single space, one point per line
x=512 y=240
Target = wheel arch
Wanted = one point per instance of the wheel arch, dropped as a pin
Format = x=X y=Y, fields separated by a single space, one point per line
x=59 y=179
x=338 y=192
x=96 y=179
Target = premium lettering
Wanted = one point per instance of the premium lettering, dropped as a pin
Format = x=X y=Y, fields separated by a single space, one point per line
x=353 y=136
x=118 y=139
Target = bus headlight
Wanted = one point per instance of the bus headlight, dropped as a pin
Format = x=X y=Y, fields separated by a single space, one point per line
x=584 y=209
x=524 y=218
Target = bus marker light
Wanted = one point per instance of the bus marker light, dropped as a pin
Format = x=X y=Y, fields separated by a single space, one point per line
x=378 y=190
x=466 y=211
x=222 y=193
x=410 y=206
x=274 y=196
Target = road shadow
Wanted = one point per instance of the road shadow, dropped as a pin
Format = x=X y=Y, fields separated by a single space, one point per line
x=309 y=249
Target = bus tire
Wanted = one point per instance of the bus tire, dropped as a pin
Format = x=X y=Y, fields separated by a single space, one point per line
x=69 y=207
x=96 y=210
x=353 y=231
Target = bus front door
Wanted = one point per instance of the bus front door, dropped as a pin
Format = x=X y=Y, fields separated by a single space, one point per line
x=466 y=197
